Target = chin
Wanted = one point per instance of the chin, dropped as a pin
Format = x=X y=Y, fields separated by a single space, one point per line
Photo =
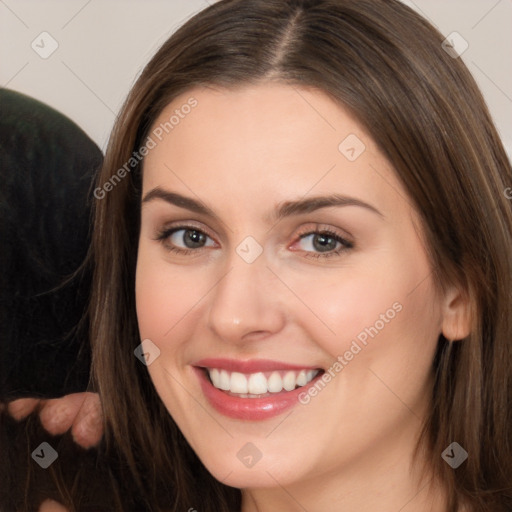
x=249 y=467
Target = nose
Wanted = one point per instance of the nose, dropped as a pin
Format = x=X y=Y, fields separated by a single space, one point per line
x=246 y=303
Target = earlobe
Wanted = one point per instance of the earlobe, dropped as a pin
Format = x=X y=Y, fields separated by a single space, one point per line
x=457 y=315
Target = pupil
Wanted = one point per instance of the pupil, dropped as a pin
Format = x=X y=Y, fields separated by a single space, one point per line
x=194 y=239
x=324 y=243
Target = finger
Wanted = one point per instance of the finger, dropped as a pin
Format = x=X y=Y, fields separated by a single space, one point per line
x=57 y=415
x=22 y=407
x=87 y=428
x=52 y=506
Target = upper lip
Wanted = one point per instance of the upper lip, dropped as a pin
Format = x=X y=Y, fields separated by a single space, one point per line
x=250 y=366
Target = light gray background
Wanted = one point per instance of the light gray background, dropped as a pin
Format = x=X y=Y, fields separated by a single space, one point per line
x=103 y=45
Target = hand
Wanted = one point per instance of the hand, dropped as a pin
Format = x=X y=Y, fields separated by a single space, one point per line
x=52 y=506
x=80 y=411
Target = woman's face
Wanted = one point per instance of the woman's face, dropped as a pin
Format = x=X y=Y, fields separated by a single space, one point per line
x=280 y=258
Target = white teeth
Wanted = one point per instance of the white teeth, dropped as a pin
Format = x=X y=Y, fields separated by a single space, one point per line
x=302 y=378
x=260 y=383
x=275 y=383
x=257 y=384
x=238 y=383
x=289 y=381
x=224 y=380
x=215 y=376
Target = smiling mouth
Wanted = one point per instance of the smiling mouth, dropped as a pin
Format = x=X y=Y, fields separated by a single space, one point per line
x=259 y=384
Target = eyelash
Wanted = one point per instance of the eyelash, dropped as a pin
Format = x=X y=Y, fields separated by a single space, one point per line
x=163 y=236
x=346 y=245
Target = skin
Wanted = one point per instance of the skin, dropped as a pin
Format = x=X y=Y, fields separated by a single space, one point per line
x=242 y=153
x=80 y=412
x=52 y=506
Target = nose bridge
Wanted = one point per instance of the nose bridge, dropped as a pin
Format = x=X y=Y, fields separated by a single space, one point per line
x=243 y=303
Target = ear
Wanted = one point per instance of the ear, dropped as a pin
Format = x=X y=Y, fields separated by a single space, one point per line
x=456 y=310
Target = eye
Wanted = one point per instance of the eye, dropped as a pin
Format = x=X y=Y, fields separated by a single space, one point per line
x=322 y=243
x=190 y=239
x=185 y=239
x=319 y=242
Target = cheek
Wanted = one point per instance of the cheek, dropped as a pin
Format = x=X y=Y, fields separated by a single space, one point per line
x=387 y=302
x=166 y=296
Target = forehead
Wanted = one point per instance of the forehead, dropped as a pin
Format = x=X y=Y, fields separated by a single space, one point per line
x=273 y=115
x=271 y=141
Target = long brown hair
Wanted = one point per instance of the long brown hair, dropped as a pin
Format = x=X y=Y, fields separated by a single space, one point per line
x=422 y=107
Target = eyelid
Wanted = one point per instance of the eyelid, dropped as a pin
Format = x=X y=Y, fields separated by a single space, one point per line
x=174 y=226
x=163 y=234
x=313 y=228
x=347 y=243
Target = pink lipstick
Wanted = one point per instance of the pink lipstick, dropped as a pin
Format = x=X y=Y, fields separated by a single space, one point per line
x=253 y=390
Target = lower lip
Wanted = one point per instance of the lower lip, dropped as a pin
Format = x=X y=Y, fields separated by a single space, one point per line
x=251 y=409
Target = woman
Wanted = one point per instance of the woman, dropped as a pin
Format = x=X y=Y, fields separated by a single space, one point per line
x=301 y=297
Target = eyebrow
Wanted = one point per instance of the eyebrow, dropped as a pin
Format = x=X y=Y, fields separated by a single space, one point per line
x=312 y=204
x=286 y=209
x=178 y=200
